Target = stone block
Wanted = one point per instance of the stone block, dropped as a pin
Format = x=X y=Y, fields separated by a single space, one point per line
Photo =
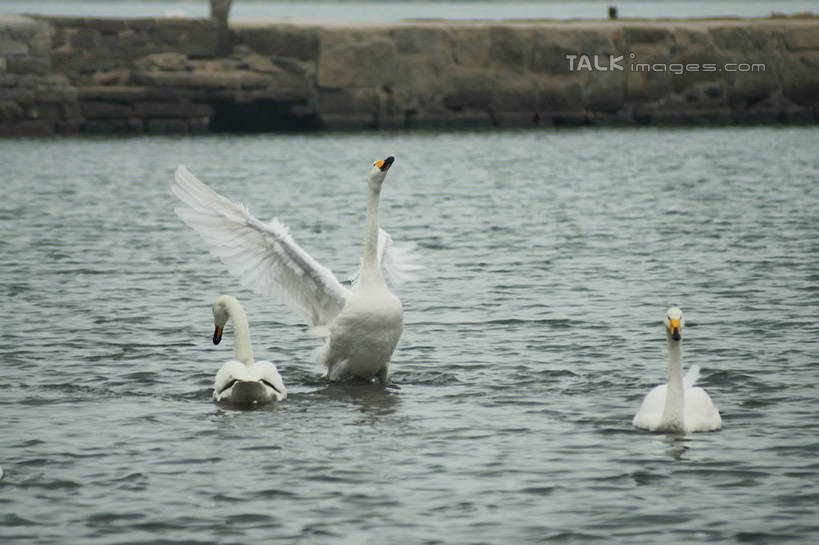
x=194 y=38
x=800 y=78
x=199 y=124
x=117 y=125
x=709 y=66
x=154 y=109
x=167 y=126
x=470 y=45
x=69 y=125
x=292 y=65
x=413 y=40
x=647 y=34
x=604 y=91
x=346 y=60
x=423 y=74
x=71 y=111
x=801 y=37
x=56 y=95
x=78 y=63
x=515 y=95
x=647 y=85
x=510 y=47
x=28 y=127
x=298 y=41
x=551 y=47
x=40 y=43
x=199 y=78
x=687 y=36
x=560 y=96
x=111 y=78
x=551 y=57
x=21 y=95
x=12 y=47
x=260 y=63
x=116 y=93
x=10 y=111
x=168 y=61
x=104 y=25
x=392 y=109
x=93 y=109
x=43 y=111
x=84 y=39
x=747 y=39
x=752 y=87
x=515 y=103
x=348 y=108
x=23 y=64
x=470 y=89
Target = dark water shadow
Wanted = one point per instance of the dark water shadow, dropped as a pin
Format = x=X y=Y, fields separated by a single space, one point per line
x=372 y=399
x=677 y=445
x=226 y=406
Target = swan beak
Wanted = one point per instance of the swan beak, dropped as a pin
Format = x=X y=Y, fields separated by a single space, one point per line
x=676 y=330
x=217 y=334
x=385 y=164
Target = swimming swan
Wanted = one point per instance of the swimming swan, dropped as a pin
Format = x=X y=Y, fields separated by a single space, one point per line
x=242 y=380
x=360 y=325
x=678 y=406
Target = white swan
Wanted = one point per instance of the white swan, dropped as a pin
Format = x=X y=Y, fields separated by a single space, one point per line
x=360 y=326
x=678 y=406
x=242 y=380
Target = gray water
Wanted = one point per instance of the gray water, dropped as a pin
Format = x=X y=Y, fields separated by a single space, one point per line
x=400 y=9
x=529 y=342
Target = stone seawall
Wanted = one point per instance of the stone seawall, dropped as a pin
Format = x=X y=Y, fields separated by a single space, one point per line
x=71 y=75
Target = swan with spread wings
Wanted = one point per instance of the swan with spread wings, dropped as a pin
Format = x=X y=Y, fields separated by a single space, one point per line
x=360 y=325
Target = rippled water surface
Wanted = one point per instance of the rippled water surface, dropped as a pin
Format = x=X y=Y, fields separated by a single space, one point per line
x=529 y=342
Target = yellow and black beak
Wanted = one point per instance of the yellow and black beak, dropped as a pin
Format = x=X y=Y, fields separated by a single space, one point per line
x=217 y=334
x=675 y=328
x=385 y=164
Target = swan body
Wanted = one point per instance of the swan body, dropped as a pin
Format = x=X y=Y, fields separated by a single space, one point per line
x=242 y=380
x=361 y=325
x=677 y=406
x=364 y=335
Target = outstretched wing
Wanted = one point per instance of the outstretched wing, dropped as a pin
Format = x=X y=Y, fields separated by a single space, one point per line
x=399 y=263
x=263 y=255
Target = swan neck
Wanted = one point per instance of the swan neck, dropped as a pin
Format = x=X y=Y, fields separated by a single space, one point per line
x=370 y=269
x=242 y=350
x=673 y=410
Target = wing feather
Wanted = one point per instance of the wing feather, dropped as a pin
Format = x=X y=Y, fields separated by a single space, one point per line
x=263 y=255
x=691 y=376
x=399 y=263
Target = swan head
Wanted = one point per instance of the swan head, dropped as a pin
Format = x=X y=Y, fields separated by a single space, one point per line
x=221 y=315
x=379 y=171
x=674 y=323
